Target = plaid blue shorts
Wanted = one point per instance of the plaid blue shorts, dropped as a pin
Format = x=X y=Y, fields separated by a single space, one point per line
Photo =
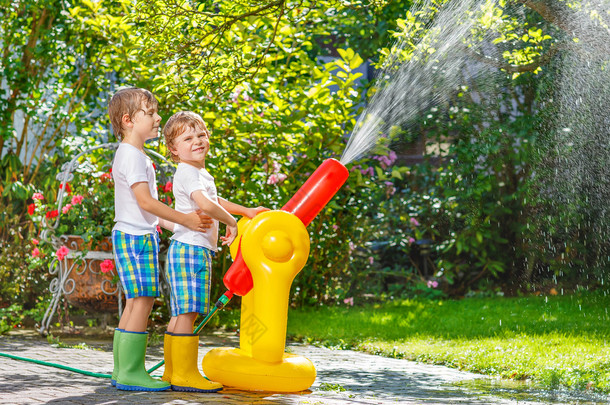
x=137 y=262
x=189 y=269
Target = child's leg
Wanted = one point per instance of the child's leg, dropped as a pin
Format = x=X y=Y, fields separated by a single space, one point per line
x=126 y=314
x=140 y=311
x=185 y=323
x=172 y=324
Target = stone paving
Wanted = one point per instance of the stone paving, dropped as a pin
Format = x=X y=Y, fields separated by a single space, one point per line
x=343 y=377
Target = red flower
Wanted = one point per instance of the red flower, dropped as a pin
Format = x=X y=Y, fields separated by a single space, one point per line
x=62 y=252
x=168 y=187
x=52 y=214
x=106 y=176
x=35 y=252
x=68 y=188
x=154 y=166
x=107 y=266
x=31 y=209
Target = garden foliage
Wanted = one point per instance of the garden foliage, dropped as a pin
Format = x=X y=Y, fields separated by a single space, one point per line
x=276 y=111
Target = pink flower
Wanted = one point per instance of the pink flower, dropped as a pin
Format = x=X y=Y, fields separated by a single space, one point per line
x=159 y=230
x=77 y=199
x=107 y=266
x=349 y=301
x=272 y=179
x=35 y=252
x=37 y=196
x=168 y=187
x=65 y=209
x=370 y=171
x=410 y=240
x=62 y=252
x=35 y=242
x=413 y=221
x=371 y=260
x=351 y=247
x=432 y=284
x=335 y=227
x=276 y=178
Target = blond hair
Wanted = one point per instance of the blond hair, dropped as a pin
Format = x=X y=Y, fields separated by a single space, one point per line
x=177 y=124
x=128 y=101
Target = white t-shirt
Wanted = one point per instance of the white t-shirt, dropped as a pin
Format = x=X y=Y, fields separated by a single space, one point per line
x=189 y=179
x=131 y=166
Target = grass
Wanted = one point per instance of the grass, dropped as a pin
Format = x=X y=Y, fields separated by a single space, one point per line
x=554 y=341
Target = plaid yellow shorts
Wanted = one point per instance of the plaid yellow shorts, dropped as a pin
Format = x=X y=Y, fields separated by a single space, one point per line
x=137 y=262
x=189 y=269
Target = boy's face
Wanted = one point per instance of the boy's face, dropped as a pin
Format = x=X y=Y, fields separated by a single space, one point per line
x=146 y=122
x=192 y=145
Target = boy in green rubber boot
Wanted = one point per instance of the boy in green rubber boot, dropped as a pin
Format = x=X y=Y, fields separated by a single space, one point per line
x=190 y=253
x=134 y=118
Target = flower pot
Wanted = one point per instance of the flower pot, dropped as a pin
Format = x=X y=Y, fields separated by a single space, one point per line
x=87 y=287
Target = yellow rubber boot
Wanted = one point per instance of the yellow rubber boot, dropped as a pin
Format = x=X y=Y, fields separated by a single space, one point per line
x=167 y=356
x=185 y=371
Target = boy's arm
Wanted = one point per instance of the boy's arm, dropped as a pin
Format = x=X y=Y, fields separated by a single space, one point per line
x=205 y=221
x=216 y=211
x=165 y=224
x=211 y=208
x=156 y=207
x=237 y=209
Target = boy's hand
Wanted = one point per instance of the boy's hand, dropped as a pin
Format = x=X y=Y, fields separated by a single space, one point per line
x=206 y=221
x=194 y=222
x=230 y=235
x=252 y=212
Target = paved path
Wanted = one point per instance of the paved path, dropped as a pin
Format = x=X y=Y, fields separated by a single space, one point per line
x=344 y=377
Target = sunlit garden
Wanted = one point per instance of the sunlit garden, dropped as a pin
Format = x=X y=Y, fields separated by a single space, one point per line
x=471 y=230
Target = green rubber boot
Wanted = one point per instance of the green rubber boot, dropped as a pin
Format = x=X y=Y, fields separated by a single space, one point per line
x=132 y=375
x=115 y=354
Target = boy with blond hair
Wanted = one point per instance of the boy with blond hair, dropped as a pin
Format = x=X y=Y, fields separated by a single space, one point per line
x=190 y=253
x=134 y=117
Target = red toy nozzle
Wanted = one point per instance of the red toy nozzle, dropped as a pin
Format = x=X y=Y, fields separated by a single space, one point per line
x=317 y=191
x=306 y=204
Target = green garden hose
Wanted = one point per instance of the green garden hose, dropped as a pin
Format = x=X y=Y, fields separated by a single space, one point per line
x=45 y=363
x=222 y=301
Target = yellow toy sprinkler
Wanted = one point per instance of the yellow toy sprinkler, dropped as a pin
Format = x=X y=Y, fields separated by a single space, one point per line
x=271 y=250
